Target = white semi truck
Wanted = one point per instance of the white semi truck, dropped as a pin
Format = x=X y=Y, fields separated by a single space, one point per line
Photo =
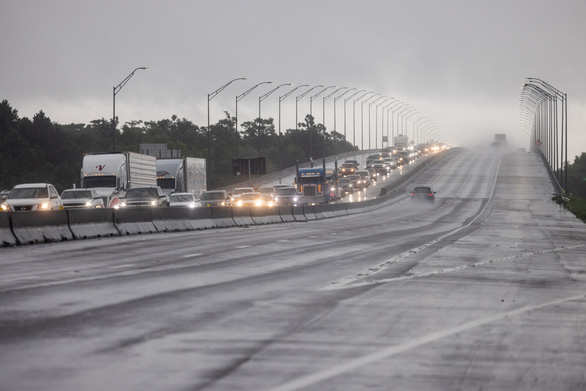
x=109 y=172
x=182 y=175
x=401 y=142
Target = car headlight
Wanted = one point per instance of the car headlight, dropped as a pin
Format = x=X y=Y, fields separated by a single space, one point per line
x=192 y=205
x=153 y=203
x=276 y=199
x=258 y=203
x=4 y=207
x=332 y=189
x=123 y=204
x=223 y=203
x=271 y=203
x=239 y=203
x=44 y=205
x=88 y=203
x=295 y=199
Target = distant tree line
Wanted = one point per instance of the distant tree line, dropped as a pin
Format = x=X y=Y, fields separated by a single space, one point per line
x=40 y=150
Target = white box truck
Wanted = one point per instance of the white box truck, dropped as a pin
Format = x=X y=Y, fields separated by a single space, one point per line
x=182 y=175
x=109 y=172
x=401 y=142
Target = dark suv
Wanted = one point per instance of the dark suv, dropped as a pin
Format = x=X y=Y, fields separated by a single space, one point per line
x=151 y=196
x=423 y=193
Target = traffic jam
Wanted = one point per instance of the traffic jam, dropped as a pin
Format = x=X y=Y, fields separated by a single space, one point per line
x=131 y=180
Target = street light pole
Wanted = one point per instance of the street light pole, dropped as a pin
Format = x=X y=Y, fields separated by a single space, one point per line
x=297 y=99
x=210 y=97
x=324 y=115
x=260 y=99
x=238 y=99
x=362 y=120
x=354 y=116
x=282 y=98
x=375 y=117
x=415 y=139
x=376 y=121
x=346 y=100
x=116 y=90
x=311 y=98
x=335 y=100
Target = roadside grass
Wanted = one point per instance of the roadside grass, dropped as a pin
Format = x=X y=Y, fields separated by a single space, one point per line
x=577 y=206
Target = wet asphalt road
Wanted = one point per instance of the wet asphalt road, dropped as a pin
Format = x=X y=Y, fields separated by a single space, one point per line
x=483 y=290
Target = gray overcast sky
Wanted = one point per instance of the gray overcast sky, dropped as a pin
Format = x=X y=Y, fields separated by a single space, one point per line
x=459 y=63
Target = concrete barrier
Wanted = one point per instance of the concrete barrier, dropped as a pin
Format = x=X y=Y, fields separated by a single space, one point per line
x=298 y=213
x=222 y=217
x=171 y=219
x=242 y=216
x=92 y=223
x=40 y=227
x=131 y=221
x=201 y=218
x=286 y=213
x=6 y=236
x=353 y=207
x=266 y=215
x=321 y=211
x=308 y=212
x=326 y=211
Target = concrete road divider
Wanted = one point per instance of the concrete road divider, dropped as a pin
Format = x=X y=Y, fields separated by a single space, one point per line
x=92 y=223
x=326 y=211
x=171 y=219
x=298 y=213
x=242 y=216
x=266 y=215
x=222 y=217
x=6 y=236
x=131 y=221
x=201 y=218
x=40 y=227
x=286 y=213
x=308 y=212
x=182 y=219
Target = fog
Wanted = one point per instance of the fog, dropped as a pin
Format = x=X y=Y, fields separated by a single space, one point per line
x=460 y=64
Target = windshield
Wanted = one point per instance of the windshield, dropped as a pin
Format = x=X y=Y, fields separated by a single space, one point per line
x=345 y=181
x=181 y=197
x=250 y=196
x=141 y=193
x=28 y=192
x=69 y=195
x=212 y=196
x=287 y=192
x=99 y=181
x=422 y=190
x=166 y=183
x=242 y=191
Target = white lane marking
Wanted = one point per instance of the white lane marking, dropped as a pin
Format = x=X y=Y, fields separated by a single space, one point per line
x=192 y=255
x=121 y=266
x=283 y=240
x=313 y=237
x=23 y=278
x=351 y=280
x=239 y=247
x=382 y=354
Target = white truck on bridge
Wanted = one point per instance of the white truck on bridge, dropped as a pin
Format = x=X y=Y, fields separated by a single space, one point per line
x=182 y=175
x=107 y=172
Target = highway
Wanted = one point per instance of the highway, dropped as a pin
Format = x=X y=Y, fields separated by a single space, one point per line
x=484 y=289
